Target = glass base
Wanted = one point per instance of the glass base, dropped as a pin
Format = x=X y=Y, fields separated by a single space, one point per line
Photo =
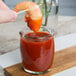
x=33 y=72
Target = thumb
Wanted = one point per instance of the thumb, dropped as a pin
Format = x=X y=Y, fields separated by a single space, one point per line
x=7 y=16
x=3 y=5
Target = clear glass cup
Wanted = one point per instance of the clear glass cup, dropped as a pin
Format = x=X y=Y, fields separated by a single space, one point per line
x=37 y=50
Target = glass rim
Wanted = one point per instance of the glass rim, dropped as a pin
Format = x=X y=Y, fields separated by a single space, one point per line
x=50 y=35
x=50 y=32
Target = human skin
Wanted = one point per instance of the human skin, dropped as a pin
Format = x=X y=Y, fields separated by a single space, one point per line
x=6 y=14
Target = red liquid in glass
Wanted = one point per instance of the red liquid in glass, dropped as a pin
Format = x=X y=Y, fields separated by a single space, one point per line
x=37 y=55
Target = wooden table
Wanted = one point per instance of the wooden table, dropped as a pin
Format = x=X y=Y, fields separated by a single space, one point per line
x=63 y=59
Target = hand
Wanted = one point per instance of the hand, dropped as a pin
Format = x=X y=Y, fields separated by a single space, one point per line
x=6 y=15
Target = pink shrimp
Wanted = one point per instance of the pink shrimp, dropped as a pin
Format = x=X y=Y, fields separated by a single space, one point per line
x=33 y=15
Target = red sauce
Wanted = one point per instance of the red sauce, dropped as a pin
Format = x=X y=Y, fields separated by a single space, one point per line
x=37 y=54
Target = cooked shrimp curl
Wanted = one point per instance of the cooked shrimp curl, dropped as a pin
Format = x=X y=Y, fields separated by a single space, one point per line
x=33 y=15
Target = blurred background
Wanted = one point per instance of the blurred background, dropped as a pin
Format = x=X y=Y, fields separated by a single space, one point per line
x=66 y=7
x=9 y=32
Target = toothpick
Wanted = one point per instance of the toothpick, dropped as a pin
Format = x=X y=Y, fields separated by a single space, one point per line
x=22 y=11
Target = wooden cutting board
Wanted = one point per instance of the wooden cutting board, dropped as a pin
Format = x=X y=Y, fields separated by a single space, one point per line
x=63 y=60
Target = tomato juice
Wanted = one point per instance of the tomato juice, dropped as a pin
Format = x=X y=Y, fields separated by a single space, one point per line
x=37 y=50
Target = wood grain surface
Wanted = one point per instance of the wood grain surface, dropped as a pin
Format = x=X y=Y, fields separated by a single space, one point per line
x=63 y=60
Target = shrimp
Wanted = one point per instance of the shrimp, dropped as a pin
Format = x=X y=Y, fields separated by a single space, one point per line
x=33 y=15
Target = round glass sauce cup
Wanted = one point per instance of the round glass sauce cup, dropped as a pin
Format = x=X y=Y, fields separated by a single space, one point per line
x=37 y=51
